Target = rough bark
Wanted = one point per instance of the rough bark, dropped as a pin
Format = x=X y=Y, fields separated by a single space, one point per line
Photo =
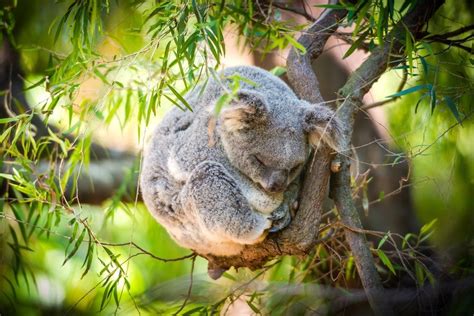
x=300 y=73
x=306 y=85
x=301 y=235
x=352 y=93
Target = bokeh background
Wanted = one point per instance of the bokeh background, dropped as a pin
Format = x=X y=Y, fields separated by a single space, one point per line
x=420 y=164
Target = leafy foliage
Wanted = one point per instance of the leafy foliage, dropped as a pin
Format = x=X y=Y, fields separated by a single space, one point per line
x=137 y=68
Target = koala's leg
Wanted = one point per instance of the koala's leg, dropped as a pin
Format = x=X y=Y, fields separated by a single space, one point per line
x=281 y=217
x=223 y=213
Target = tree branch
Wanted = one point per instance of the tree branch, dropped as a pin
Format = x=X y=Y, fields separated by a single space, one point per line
x=299 y=238
x=383 y=102
x=352 y=93
x=300 y=72
x=457 y=32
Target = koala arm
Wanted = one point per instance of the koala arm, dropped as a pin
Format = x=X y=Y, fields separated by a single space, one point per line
x=222 y=212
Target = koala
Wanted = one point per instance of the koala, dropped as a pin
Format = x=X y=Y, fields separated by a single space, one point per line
x=218 y=183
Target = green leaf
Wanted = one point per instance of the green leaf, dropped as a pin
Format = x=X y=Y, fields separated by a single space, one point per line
x=330 y=6
x=295 y=43
x=228 y=276
x=76 y=246
x=420 y=275
x=12 y=119
x=383 y=240
x=386 y=261
x=36 y=84
x=419 y=101
x=356 y=44
x=278 y=71
x=410 y=90
x=350 y=268
x=453 y=108
x=406 y=239
x=391 y=7
x=7 y=176
x=253 y=307
x=424 y=64
x=433 y=98
x=221 y=102
x=17 y=211
x=180 y=97
x=409 y=49
x=381 y=195
x=427 y=227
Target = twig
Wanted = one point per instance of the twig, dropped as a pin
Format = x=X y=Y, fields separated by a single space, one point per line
x=452 y=33
x=353 y=91
x=453 y=43
x=383 y=102
x=188 y=295
x=191 y=255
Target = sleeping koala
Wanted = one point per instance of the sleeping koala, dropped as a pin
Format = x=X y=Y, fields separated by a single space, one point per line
x=220 y=183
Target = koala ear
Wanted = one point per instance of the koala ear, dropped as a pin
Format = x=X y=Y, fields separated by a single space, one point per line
x=245 y=110
x=321 y=124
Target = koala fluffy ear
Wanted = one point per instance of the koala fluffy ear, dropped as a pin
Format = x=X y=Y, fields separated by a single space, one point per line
x=247 y=108
x=321 y=124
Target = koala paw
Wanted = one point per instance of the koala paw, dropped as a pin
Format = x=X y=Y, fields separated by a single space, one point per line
x=280 y=218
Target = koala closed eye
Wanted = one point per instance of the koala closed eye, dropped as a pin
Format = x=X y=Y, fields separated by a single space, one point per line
x=260 y=160
x=295 y=168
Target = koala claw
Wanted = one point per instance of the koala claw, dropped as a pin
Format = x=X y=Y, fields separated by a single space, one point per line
x=280 y=223
x=276 y=216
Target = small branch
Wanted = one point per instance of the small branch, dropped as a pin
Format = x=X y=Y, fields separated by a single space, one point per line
x=453 y=43
x=452 y=33
x=146 y=252
x=383 y=102
x=352 y=93
x=188 y=295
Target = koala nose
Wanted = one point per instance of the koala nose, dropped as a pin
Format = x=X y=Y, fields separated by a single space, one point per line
x=276 y=181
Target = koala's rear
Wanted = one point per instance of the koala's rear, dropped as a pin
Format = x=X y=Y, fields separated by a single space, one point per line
x=216 y=188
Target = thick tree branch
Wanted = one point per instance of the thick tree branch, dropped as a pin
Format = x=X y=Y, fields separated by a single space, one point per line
x=300 y=72
x=300 y=237
x=352 y=93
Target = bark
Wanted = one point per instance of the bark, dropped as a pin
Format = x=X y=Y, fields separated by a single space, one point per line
x=352 y=93
x=300 y=237
x=306 y=85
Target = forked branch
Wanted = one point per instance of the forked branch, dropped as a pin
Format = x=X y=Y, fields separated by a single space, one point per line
x=352 y=93
x=300 y=237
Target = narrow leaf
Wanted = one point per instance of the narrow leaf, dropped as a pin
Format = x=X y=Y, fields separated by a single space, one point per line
x=453 y=108
x=386 y=261
x=410 y=90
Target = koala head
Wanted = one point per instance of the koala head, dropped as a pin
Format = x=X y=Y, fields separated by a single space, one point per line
x=270 y=143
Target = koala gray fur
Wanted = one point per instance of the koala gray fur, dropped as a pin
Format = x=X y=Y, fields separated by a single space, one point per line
x=216 y=189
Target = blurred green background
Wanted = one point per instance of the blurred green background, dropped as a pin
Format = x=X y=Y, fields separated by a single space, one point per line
x=440 y=152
